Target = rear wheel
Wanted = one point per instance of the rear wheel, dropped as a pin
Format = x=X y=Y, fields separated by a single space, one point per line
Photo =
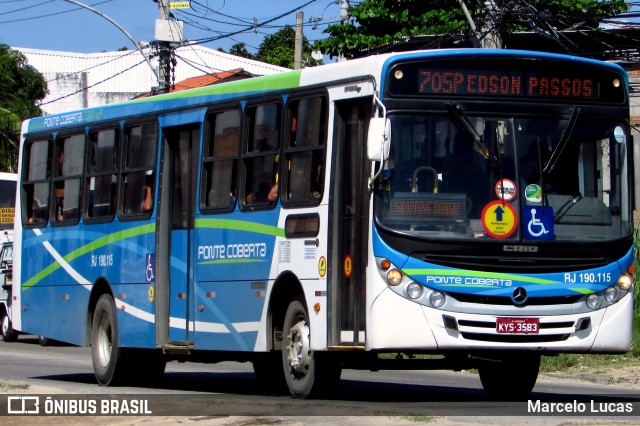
x=511 y=378
x=306 y=373
x=8 y=333
x=107 y=356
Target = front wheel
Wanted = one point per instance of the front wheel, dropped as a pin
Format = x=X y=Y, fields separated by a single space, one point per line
x=511 y=378
x=8 y=333
x=306 y=373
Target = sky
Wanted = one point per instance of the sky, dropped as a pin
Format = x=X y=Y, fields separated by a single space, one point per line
x=64 y=26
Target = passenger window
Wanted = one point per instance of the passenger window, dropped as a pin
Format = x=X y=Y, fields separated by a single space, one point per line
x=35 y=188
x=260 y=159
x=138 y=174
x=67 y=178
x=102 y=174
x=304 y=151
x=220 y=162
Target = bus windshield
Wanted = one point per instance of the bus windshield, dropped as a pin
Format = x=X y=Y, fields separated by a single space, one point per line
x=471 y=176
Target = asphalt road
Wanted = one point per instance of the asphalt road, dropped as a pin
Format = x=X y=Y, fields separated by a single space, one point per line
x=214 y=392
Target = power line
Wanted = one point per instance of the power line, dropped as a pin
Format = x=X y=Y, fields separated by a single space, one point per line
x=52 y=14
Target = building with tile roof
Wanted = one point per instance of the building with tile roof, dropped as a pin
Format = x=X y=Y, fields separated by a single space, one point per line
x=82 y=80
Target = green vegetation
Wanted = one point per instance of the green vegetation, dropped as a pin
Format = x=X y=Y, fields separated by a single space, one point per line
x=376 y=23
x=22 y=87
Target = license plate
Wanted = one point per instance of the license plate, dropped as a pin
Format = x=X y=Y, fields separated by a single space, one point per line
x=509 y=325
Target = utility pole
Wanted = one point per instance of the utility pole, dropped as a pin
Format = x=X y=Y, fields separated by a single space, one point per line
x=344 y=18
x=490 y=37
x=168 y=36
x=297 y=51
x=487 y=36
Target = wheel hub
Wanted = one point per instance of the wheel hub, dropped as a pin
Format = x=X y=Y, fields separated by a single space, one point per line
x=299 y=348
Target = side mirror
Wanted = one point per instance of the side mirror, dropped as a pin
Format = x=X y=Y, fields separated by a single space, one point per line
x=379 y=139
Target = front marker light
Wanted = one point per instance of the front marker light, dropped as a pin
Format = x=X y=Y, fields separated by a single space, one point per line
x=611 y=294
x=414 y=290
x=594 y=301
x=624 y=282
x=394 y=277
x=437 y=299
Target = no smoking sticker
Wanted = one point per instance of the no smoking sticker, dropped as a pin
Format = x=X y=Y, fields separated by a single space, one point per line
x=499 y=219
x=506 y=189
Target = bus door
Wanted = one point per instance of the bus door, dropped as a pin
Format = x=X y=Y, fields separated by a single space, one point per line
x=175 y=226
x=349 y=222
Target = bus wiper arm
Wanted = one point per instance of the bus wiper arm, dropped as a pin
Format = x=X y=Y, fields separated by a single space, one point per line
x=463 y=122
x=562 y=143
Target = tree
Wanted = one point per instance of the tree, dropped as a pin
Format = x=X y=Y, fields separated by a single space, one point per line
x=22 y=87
x=278 y=49
x=240 y=49
x=377 y=23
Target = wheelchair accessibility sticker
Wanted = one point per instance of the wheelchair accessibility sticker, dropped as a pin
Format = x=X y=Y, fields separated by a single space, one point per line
x=538 y=223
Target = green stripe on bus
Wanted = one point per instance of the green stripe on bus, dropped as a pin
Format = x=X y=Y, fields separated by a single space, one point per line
x=94 y=245
x=287 y=80
x=240 y=225
x=457 y=273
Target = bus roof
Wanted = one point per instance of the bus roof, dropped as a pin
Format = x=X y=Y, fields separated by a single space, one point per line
x=368 y=67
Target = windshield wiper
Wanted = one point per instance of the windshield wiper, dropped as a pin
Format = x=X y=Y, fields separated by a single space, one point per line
x=562 y=143
x=463 y=123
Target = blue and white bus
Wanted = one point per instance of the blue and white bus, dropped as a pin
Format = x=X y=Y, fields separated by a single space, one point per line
x=474 y=205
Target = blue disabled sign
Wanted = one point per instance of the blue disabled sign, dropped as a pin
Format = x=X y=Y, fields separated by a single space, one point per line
x=538 y=223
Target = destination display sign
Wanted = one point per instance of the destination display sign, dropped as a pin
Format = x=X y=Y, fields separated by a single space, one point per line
x=440 y=206
x=512 y=78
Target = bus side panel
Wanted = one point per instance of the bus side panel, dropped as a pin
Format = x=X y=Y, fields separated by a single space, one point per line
x=53 y=312
x=234 y=263
x=136 y=315
x=228 y=314
x=75 y=260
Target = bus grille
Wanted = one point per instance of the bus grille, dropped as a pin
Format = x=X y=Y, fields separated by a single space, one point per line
x=473 y=330
x=503 y=300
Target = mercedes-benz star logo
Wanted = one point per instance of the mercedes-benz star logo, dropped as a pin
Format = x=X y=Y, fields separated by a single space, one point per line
x=519 y=296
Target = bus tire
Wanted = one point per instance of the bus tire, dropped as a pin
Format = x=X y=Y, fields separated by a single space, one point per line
x=306 y=373
x=512 y=378
x=107 y=356
x=8 y=333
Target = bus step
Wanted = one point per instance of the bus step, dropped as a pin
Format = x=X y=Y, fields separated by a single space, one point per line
x=176 y=348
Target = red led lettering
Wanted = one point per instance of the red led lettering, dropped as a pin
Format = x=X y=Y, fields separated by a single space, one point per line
x=576 y=89
x=458 y=79
x=555 y=89
x=515 y=85
x=566 y=87
x=544 y=86
x=426 y=78
x=471 y=83
x=533 y=85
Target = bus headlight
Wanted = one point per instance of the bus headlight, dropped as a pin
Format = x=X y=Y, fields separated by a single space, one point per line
x=414 y=290
x=437 y=299
x=611 y=294
x=594 y=301
x=624 y=282
x=394 y=277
